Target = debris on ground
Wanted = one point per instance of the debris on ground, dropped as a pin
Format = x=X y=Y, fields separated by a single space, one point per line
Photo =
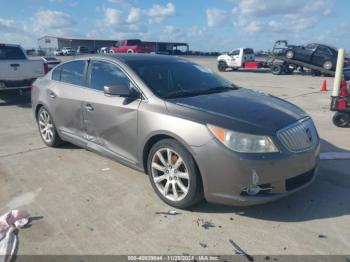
x=203 y=245
x=9 y=222
x=240 y=251
x=231 y=218
x=105 y=169
x=204 y=224
x=322 y=236
x=170 y=212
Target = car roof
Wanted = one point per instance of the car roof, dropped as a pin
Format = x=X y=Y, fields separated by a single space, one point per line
x=126 y=58
x=329 y=46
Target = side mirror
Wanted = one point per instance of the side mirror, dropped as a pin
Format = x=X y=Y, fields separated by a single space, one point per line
x=120 y=89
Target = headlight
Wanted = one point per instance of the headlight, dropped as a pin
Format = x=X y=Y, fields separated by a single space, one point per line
x=243 y=143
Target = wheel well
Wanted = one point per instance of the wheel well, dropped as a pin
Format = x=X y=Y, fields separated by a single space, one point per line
x=38 y=106
x=153 y=140
x=222 y=62
x=148 y=147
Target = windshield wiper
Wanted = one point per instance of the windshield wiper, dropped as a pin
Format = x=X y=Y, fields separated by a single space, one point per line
x=184 y=93
x=217 y=89
x=180 y=93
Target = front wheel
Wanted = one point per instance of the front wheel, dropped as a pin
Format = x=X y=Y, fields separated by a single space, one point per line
x=47 y=128
x=341 y=119
x=222 y=66
x=174 y=175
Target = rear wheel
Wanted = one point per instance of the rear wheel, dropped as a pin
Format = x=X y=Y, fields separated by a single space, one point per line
x=276 y=69
x=222 y=66
x=290 y=54
x=47 y=128
x=328 y=65
x=174 y=175
x=341 y=119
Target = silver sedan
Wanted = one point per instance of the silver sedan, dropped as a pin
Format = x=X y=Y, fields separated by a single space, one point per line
x=195 y=134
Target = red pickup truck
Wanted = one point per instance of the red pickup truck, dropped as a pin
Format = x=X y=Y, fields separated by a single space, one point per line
x=132 y=46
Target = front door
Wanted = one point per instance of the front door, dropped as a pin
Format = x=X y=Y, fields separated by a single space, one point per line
x=110 y=121
x=236 y=58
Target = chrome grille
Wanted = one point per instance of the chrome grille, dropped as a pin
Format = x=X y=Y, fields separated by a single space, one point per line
x=300 y=136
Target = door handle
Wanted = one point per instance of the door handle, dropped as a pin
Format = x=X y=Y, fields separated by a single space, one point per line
x=52 y=95
x=89 y=107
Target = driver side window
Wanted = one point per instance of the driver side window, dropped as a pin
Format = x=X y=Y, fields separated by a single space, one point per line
x=235 y=52
x=104 y=74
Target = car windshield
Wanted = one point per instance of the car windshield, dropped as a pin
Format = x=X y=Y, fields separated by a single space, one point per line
x=179 y=78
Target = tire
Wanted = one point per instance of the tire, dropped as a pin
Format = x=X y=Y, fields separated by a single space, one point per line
x=328 y=65
x=188 y=188
x=276 y=69
x=50 y=137
x=222 y=66
x=315 y=73
x=290 y=54
x=130 y=51
x=341 y=119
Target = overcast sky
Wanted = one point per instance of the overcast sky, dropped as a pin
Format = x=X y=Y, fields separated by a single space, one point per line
x=208 y=25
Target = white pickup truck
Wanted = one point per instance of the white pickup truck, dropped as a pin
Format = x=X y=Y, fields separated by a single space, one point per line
x=235 y=59
x=16 y=70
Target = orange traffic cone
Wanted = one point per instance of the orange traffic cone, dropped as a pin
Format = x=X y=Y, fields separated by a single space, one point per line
x=324 y=86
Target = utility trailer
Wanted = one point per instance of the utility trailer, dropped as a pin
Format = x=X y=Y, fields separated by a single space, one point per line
x=280 y=64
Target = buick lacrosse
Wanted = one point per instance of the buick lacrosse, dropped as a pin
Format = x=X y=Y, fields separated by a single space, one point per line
x=194 y=133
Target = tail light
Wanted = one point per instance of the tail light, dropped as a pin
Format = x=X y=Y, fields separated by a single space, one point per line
x=344 y=89
x=341 y=104
x=46 y=68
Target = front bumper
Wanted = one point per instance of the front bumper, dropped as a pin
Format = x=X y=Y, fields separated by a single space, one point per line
x=226 y=175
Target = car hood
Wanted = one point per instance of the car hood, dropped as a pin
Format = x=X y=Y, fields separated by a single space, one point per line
x=223 y=56
x=241 y=110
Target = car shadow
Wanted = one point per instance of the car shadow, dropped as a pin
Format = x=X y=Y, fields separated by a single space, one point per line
x=327 y=197
x=328 y=147
x=15 y=98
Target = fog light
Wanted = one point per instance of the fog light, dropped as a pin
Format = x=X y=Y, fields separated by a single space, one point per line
x=253 y=190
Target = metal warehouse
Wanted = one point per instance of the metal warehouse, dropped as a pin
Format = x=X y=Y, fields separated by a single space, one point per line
x=49 y=43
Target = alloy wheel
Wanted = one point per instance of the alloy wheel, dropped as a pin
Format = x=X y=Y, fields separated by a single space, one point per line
x=170 y=174
x=46 y=126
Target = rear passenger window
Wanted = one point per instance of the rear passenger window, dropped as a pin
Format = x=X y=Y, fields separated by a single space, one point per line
x=324 y=51
x=73 y=72
x=104 y=74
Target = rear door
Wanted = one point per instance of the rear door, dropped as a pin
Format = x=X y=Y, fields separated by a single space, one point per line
x=321 y=55
x=305 y=53
x=66 y=94
x=110 y=121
